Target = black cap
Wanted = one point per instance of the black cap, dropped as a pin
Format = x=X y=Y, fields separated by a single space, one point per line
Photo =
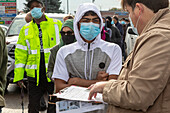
x=31 y=1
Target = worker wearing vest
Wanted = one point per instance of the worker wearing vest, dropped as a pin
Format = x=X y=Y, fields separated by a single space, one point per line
x=32 y=53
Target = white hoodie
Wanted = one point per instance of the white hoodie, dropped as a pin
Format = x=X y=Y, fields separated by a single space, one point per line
x=76 y=60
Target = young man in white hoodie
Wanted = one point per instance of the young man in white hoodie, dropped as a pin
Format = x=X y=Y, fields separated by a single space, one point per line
x=90 y=59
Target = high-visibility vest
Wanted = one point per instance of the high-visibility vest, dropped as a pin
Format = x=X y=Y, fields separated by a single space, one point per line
x=27 y=51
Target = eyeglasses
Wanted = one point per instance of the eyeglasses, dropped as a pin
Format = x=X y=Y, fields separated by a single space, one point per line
x=66 y=33
x=87 y=20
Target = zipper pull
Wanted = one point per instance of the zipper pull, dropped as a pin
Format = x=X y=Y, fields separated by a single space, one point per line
x=88 y=46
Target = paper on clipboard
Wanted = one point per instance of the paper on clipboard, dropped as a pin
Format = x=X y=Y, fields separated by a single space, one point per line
x=78 y=93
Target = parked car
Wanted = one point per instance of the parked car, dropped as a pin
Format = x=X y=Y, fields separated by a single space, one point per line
x=12 y=38
x=4 y=28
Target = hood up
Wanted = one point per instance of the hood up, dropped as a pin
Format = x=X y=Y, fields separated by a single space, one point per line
x=83 y=8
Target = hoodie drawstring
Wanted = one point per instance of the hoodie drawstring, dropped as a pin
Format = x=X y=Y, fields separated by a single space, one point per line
x=85 y=72
x=88 y=64
x=90 y=77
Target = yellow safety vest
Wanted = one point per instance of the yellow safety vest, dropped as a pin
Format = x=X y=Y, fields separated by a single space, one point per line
x=27 y=51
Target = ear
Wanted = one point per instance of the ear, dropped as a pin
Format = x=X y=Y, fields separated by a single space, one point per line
x=140 y=7
x=43 y=9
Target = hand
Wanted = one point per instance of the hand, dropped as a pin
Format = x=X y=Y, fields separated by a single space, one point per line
x=96 y=88
x=73 y=81
x=102 y=75
x=21 y=84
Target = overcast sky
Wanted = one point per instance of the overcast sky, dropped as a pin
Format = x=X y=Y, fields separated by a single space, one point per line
x=73 y=4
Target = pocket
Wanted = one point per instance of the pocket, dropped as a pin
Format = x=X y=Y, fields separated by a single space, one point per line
x=31 y=65
x=32 y=42
x=28 y=37
x=31 y=59
x=30 y=73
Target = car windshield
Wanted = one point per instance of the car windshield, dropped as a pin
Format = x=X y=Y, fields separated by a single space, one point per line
x=18 y=23
x=16 y=26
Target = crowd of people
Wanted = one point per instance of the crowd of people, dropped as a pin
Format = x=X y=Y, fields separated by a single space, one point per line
x=88 y=50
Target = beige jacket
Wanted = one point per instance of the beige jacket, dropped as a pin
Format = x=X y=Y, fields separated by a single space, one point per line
x=144 y=82
x=3 y=66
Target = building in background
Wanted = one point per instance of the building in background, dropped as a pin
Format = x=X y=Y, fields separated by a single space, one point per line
x=7 y=11
x=121 y=14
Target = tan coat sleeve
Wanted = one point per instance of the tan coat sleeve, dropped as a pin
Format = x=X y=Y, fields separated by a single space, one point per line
x=147 y=77
x=3 y=66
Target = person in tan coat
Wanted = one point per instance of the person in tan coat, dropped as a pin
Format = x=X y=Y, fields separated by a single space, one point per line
x=3 y=68
x=143 y=85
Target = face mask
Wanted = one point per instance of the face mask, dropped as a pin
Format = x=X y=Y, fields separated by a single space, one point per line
x=89 y=31
x=123 y=22
x=36 y=13
x=112 y=22
x=68 y=39
x=133 y=27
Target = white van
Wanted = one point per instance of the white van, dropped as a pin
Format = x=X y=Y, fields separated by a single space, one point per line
x=12 y=38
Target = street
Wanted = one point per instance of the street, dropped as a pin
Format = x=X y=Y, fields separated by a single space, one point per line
x=13 y=100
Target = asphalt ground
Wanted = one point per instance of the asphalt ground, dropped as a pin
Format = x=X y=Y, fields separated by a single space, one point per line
x=13 y=100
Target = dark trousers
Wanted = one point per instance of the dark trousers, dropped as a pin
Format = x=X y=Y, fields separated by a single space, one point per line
x=0 y=109
x=37 y=92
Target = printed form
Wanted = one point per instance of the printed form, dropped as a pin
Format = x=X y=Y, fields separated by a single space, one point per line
x=78 y=93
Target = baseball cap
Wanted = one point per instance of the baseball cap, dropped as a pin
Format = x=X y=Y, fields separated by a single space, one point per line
x=31 y=1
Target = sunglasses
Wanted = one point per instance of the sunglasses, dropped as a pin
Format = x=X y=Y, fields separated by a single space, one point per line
x=66 y=33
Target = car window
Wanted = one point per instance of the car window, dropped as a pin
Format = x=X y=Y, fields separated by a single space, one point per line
x=16 y=26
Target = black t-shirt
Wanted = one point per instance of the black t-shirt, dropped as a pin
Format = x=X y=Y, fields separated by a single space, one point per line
x=42 y=74
x=40 y=36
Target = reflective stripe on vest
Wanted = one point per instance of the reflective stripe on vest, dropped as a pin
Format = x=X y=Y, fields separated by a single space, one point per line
x=57 y=34
x=20 y=65
x=21 y=47
x=33 y=51
x=26 y=32
x=28 y=44
x=46 y=65
x=31 y=67
x=47 y=50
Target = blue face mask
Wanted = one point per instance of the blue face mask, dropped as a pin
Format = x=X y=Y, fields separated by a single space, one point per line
x=89 y=31
x=112 y=22
x=123 y=22
x=36 y=13
x=133 y=27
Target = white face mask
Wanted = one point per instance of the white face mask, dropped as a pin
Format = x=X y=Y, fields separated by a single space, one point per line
x=135 y=30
